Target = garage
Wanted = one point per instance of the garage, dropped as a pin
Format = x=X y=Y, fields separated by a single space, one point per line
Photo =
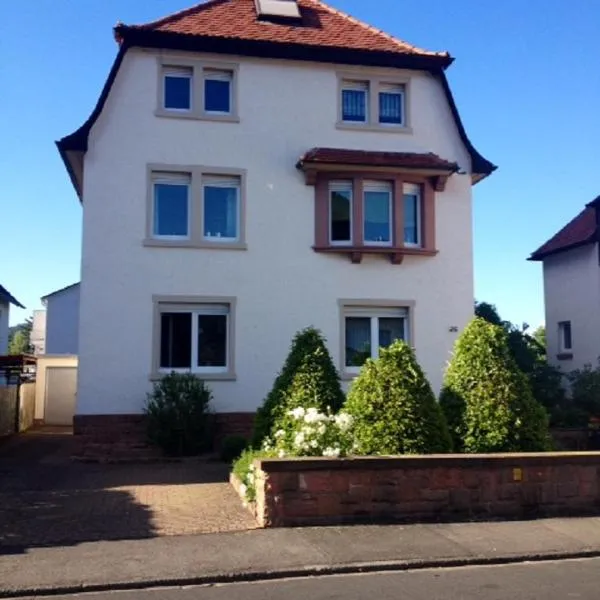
x=56 y=389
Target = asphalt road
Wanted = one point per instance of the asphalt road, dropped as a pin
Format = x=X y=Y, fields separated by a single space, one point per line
x=560 y=580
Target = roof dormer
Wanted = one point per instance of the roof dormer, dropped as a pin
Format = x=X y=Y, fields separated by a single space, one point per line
x=278 y=10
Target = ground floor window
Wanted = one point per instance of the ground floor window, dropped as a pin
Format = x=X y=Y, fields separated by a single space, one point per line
x=367 y=329
x=194 y=338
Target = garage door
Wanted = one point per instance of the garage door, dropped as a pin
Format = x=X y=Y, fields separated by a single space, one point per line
x=61 y=385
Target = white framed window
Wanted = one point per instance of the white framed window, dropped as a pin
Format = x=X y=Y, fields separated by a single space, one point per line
x=355 y=101
x=194 y=338
x=177 y=88
x=221 y=208
x=340 y=213
x=391 y=104
x=218 y=96
x=171 y=205
x=565 y=336
x=377 y=213
x=367 y=329
x=412 y=215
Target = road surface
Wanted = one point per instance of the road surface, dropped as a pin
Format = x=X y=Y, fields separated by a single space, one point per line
x=560 y=580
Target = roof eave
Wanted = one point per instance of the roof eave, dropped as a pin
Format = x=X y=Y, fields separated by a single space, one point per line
x=538 y=256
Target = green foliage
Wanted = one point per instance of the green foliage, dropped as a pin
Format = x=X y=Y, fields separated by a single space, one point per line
x=19 y=338
x=243 y=469
x=585 y=393
x=178 y=415
x=487 y=400
x=394 y=408
x=308 y=378
x=232 y=447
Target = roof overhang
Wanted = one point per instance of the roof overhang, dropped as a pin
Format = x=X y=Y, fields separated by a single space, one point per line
x=6 y=295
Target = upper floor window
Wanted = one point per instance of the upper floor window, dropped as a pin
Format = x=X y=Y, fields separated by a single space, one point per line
x=217 y=91
x=373 y=103
x=340 y=212
x=177 y=86
x=221 y=208
x=377 y=213
x=171 y=206
x=412 y=214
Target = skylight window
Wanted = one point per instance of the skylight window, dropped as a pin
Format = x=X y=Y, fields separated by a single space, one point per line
x=280 y=9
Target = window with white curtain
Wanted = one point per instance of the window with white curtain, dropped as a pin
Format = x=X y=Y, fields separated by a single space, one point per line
x=391 y=104
x=377 y=213
x=412 y=215
x=221 y=208
x=367 y=329
x=355 y=101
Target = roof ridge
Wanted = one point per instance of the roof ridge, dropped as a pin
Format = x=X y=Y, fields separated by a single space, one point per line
x=403 y=44
x=180 y=13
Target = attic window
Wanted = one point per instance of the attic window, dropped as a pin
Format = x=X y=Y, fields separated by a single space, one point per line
x=278 y=10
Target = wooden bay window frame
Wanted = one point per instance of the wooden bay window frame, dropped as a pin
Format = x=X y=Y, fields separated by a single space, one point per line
x=358 y=248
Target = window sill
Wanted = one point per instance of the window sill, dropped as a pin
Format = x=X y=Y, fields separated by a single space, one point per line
x=370 y=127
x=348 y=376
x=202 y=376
x=192 y=245
x=396 y=254
x=196 y=116
x=564 y=356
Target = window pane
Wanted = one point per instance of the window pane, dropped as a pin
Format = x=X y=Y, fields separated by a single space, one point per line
x=341 y=209
x=390 y=108
x=390 y=330
x=178 y=92
x=411 y=219
x=217 y=96
x=175 y=341
x=354 y=105
x=220 y=212
x=377 y=217
x=212 y=340
x=567 y=339
x=358 y=341
x=170 y=209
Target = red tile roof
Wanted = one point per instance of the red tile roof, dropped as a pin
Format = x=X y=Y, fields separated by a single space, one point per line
x=321 y=25
x=409 y=160
x=581 y=230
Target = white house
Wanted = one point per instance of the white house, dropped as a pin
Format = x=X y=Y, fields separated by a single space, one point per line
x=62 y=320
x=252 y=168
x=6 y=299
x=571 y=262
x=37 y=338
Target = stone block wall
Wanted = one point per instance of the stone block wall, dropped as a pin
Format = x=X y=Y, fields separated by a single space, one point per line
x=426 y=488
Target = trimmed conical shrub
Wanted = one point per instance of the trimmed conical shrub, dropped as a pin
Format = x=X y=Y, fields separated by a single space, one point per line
x=487 y=400
x=394 y=408
x=310 y=374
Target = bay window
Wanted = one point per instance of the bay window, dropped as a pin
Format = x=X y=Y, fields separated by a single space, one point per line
x=340 y=212
x=377 y=213
x=412 y=214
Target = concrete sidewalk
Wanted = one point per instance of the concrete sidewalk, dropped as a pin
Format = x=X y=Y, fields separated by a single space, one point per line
x=212 y=558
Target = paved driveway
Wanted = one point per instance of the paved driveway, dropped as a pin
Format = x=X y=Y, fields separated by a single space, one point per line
x=48 y=500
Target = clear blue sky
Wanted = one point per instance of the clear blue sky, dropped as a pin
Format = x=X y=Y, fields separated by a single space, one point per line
x=526 y=81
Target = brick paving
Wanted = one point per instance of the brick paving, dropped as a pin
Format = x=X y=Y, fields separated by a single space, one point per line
x=46 y=499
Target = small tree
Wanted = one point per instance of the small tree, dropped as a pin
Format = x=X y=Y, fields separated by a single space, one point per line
x=394 y=408
x=486 y=398
x=310 y=373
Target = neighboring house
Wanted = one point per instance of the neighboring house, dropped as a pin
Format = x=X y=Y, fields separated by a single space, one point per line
x=254 y=168
x=571 y=261
x=6 y=299
x=62 y=320
x=38 y=332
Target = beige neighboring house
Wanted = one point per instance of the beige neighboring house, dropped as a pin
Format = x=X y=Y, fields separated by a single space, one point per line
x=6 y=300
x=38 y=332
x=571 y=263
x=255 y=167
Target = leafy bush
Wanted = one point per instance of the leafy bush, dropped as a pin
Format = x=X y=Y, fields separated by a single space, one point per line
x=487 y=400
x=177 y=413
x=585 y=389
x=243 y=469
x=232 y=447
x=394 y=408
x=307 y=366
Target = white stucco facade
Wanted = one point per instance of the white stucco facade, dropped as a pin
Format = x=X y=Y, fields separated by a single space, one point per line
x=62 y=321
x=572 y=294
x=280 y=284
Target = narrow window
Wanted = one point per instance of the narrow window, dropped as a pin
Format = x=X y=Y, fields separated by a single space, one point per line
x=412 y=215
x=177 y=83
x=171 y=205
x=369 y=329
x=340 y=212
x=221 y=208
x=377 y=213
x=391 y=104
x=565 y=336
x=176 y=340
x=355 y=101
x=217 y=91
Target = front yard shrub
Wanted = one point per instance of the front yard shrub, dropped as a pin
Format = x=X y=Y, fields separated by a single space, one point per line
x=232 y=447
x=243 y=469
x=394 y=409
x=308 y=365
x=178 y=413
x=487 y=400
